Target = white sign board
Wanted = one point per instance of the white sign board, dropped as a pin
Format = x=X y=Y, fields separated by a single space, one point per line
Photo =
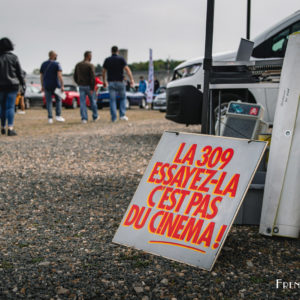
x=189 y=196
x=281 y=205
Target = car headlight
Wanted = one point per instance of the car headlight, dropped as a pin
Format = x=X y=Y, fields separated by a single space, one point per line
x=186 y=71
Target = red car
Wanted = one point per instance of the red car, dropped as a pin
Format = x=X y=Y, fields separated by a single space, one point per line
x=72 y=99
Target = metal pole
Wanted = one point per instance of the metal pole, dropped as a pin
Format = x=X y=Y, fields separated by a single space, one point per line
x=248 y=19
x=219 y=114
x=211 y=131
x=207 y=62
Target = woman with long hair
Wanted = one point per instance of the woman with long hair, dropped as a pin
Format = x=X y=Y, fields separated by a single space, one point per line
x=10 y=78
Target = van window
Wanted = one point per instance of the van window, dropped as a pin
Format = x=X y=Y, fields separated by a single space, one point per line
x=296 y=27
x=279 y=43
x=276 y=45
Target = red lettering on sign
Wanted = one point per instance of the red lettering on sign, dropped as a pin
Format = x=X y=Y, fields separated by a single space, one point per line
x=170 y=174
x=151 y=227
x=177 y=159
x=207 y=234
x=133 y=212
x=150 y=197
x=213 y=207
x=192 y=230
x=140 y=222
x=232 y=186
x=154 y=172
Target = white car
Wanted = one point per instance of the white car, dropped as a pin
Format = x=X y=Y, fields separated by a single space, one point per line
x=160 y=102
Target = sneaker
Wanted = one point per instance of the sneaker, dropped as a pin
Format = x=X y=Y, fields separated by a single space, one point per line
x=11 y=132
x=95 y=120
x=50 y=121
x=3 y=131
x=124 y=118
x=114 y=121
x=83 y=121
x=59 y=119
x=21 y=112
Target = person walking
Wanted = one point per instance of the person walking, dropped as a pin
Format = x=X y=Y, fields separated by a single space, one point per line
x=51 y=80
x=84 y=76
x=10 y=78
x=114 y=66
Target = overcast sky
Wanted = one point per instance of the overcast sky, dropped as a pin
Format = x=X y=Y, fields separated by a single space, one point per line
x=174 y=29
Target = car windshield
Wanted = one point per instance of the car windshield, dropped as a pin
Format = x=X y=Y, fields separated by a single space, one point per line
x=161 y=90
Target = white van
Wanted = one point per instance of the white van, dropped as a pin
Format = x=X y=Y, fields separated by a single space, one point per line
x=185 y=91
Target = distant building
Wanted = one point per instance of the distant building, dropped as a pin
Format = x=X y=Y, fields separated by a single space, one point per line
x=124 y=53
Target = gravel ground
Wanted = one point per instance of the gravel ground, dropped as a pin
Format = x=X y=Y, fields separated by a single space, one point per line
x=64 y=190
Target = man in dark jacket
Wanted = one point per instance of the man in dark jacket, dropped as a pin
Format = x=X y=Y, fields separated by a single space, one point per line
x=51 y=81
x=84 y=76
x=114 y=66
x=10 y=79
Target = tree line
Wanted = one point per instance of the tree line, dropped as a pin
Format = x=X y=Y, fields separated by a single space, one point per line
x=159 y=65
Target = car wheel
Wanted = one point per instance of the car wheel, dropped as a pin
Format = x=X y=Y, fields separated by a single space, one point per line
x=27 y=103
x=127 y=104
x=143 y=103
x=74 y=103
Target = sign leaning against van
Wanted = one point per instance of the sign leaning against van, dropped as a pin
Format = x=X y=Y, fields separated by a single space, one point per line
x=189 y=196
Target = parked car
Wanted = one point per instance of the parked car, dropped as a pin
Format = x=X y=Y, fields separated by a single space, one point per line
x=72 y=99
x=160 y=102
x=33 y=97
x=160 y=90
x=135 y=98
x=132 y=98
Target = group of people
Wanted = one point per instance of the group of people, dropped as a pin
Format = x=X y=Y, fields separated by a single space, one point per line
x=12 y=79
x=84 y=75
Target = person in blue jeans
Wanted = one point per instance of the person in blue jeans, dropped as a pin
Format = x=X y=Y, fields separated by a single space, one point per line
x=11 y=76
x=84 y=76
x=113 y=75
x=51 y=79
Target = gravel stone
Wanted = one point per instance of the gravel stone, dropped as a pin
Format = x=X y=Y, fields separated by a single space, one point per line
x=64 y=189
x=138 y=289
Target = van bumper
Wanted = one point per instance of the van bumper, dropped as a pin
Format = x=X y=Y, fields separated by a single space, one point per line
x=184 y=105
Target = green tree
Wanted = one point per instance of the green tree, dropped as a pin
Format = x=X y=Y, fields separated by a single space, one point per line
x=98 y=69
x=36 y=72
x=159 y=65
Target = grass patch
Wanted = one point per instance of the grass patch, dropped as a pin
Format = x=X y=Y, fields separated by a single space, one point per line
x=6 y=265
x=36 y=260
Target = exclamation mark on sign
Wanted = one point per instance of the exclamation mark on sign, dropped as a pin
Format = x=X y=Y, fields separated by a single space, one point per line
x=219 y=236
